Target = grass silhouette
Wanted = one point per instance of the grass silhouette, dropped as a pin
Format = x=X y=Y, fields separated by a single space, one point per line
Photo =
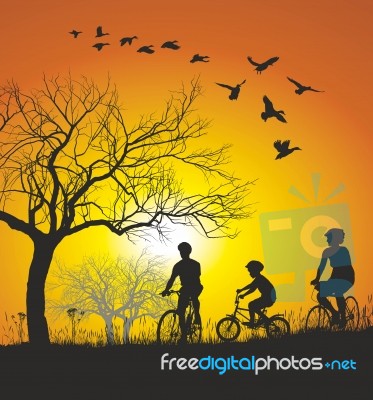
x=14 y=332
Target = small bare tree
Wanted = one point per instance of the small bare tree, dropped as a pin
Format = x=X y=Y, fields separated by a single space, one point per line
x=71 y=162
x=111 y=288
x=75 y=317
x=20 y=325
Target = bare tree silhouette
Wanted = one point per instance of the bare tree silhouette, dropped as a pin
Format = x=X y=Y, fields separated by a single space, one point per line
x=70 y=161
x=127 y=289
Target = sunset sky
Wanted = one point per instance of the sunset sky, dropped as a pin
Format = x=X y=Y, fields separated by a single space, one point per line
x=324 y=44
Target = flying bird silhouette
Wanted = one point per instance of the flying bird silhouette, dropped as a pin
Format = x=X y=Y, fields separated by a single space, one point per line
x=262 y=66
x=283 y=148
x=235 y=90
x=197 y=58
x=301 y=88
x=146 y=49
x=270 y=111
x=75 y=33
x=99 y=32
x=127 y=39
x=171 y=45
x=99 y=46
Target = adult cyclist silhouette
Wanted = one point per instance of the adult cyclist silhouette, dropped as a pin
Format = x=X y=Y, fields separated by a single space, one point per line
x=189 y=272
x=341 y=279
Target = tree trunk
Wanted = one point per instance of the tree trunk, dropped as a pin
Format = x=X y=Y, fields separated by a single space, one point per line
x=127 y=324
x=109 y=331
x=35 y=297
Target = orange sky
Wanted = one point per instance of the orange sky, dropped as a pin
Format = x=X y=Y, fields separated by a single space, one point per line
x=325 y=44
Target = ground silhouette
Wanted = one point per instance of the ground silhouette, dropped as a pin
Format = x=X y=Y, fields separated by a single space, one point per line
x=119 y=370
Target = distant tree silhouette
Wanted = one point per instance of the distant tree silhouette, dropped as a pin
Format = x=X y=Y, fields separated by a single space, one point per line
x=127 y=289
x=75 y=317
x=70 y=162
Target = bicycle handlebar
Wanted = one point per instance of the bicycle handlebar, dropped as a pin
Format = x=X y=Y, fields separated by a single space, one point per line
x=237 y=299
x=171 y=291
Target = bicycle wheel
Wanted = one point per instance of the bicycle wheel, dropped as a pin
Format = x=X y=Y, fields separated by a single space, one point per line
x=277 y=327
x=318 y=319
x=228 y=329
x=194 y=331
x=168 y=329
x=352 y=314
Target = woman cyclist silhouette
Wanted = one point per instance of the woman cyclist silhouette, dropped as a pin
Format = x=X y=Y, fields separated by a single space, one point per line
x=341 y=279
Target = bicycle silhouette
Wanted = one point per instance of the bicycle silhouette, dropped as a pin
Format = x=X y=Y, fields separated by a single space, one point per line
x=319 y=318
x=229 y=328
x=169 y=330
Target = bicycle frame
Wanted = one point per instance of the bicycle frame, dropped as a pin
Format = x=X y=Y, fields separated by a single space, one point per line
x=192 y=331
x=239 y=311
x=228 y=328
x=189 y=308
x=260 y=322
x=352 y=310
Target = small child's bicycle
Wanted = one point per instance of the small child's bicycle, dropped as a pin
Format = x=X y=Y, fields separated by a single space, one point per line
x=229 y=328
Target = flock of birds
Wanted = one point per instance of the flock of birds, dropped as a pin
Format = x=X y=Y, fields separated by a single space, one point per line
x=283 y=147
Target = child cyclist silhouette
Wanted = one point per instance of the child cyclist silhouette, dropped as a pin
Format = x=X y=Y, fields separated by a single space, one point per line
x=264 y=286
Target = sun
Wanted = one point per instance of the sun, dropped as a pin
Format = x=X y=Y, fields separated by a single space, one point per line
x=167 y=247
x=204 y=249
